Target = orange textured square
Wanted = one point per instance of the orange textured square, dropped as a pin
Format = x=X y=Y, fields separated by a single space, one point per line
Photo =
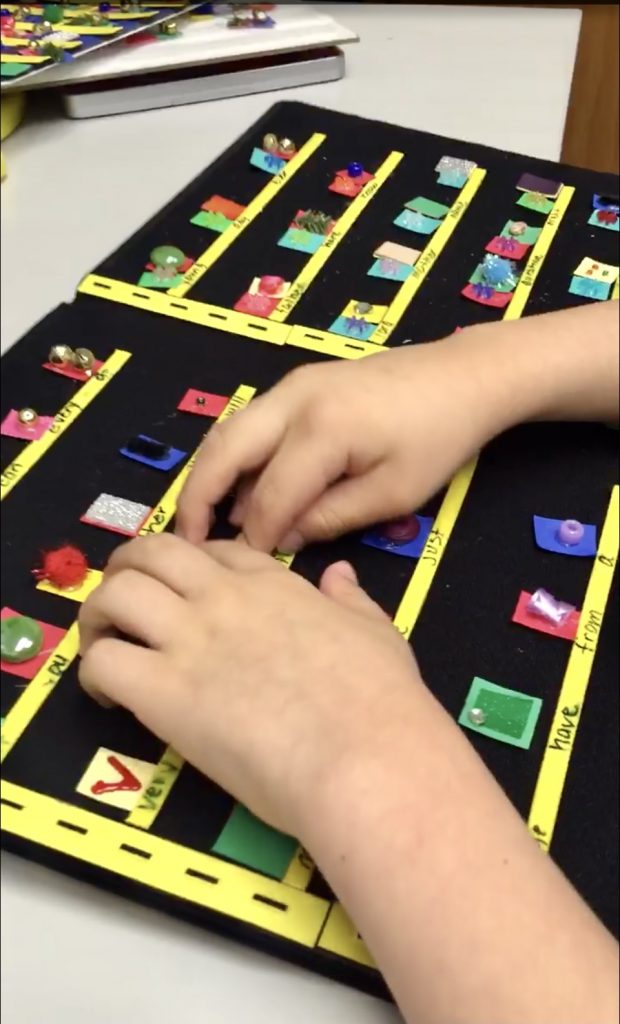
x=217 y=204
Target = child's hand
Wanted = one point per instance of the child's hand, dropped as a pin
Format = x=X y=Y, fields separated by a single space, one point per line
x=254 y=676
x=335 y=447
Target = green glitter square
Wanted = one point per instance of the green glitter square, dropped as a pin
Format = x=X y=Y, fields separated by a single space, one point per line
x=510 y=716
x=149 y=280
x=210 y=219
x=248 y=841
x=542 y=205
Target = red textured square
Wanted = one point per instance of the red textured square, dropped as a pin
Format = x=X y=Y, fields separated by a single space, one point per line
x=228 y=208
x=214 y=405
x=606 y=216
x=567 y=631
x=257 y=305
x=343 y=185
x=498 y=299
x=52 y=635
x=509 y=248
x=72 y=372
x=293 y=226
x=11 y=427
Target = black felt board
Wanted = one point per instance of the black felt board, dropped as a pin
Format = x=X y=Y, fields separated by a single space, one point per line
x=464 y=628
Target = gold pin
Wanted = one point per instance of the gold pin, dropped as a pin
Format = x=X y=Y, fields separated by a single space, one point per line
x=27 y=417
x=60 y=355
x=83 y=359
x=287 y=147
x=270 y=142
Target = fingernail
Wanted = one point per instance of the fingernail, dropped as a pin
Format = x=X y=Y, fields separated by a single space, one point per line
x=291 y=543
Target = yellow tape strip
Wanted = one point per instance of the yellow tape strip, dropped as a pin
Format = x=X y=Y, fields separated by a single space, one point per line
x=615 y=292
x=428 y=258
x=16 y=58
x=300 y=870
x=561 y=741
x=340 y=936
x=428 y=562
x=318 y=260
x=63 y=419
x=79 y=594
x=157 y=791
x=314 y=340
x=251 y=212
x=198 y=878
x=38 y=690
x=539 y=251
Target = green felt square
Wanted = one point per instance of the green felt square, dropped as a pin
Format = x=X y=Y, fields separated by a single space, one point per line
x=528 y=237
x=248 y=841
x=13 y=70
x=510 y=716
x=209 y=219
x=531 y=202
x=148 y=280
x=428 y=207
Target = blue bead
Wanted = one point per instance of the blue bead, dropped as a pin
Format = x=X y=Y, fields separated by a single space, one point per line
x=104 y=8
x=354 y=170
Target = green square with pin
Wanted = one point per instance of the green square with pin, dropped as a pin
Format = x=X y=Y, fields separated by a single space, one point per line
x=499 y=713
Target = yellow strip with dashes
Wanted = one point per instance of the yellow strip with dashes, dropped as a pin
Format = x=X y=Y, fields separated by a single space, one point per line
x=63 y=419
x=197 y=878
x=251 y=212
x=427 y=259
x=157 y=791
x=428 y=562
x=38 y=690
x=318 y=260
x=15 y=58
x=569 y=708
x=340 y=936
x=537 y=256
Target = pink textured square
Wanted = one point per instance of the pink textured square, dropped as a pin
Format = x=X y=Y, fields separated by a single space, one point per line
x=11 y=427
x=72 y=372
x=507 y=247
x=213 y=405
x=496 y=299
x=257 y=305
x=52 y=635
x=566 y=630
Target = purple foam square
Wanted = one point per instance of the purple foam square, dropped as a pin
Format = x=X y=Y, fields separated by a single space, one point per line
x=546 y=533
x=532 y=183
x=412 y=549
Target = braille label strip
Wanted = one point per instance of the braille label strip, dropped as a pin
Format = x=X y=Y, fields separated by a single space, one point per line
x=615 y=292
x=561 y=741
x=185 y=874
x=251 y=212
x=539 y=251
x=428 y=258
x=157 y=791
x=63 y=419
x=301 y=283
x=38 y=690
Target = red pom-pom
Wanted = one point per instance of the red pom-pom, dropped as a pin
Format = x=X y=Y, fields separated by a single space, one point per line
x=65 y=567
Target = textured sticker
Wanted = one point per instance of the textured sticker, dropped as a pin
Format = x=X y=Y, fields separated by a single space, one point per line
x=527 y=236
x=52 y=635
x=486 y=296
x=209 y=219
x=78 y=594
x=603 y=202
x=120 y=515
x=255 y=305
x=353 y=327
x=597 y=271
x=428 y=207
x=301 y=240
x=72 y=372
x=11 y=427
x=503 y=277
x=148 y=279
x=399 y=253
x=171 y=458
x=248 y=841
x=411 y=221
x=453 y=171
x=359 y=308
x=344 y=185
x=202 y=403
x=545 y=186
x=567 y=629
x=500 y=714
x=410 y=549
x=453 y=179
x=604 y=219
x=115 y=779
x=228 y=208
x=535 y=201
x=272 y=287
x=589 y=289
x=266 y=161
x=547 y=536
x=390 y=270
x=507 y=247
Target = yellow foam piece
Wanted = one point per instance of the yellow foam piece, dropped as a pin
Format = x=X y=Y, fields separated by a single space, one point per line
x=79 y=594
x=375 y=315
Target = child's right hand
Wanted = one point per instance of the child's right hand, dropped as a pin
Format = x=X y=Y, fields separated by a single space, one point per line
x=338 y=446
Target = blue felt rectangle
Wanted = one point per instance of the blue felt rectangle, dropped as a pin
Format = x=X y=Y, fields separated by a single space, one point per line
x=413 y=549
x=266 y=161
x=416 y=222
x=588 y=288
x=452 y=179
x=362 y=332
x=546 y=535
x=302 y=240
x=600 y=203
x=400 y=274
x=173 y=459
x=599 y=224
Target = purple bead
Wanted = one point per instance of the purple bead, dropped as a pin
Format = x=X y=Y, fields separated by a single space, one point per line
x=570 y=532
x=548 y=607
x=354 y=170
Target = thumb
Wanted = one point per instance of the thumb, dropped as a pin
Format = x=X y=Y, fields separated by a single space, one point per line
x=339 y=582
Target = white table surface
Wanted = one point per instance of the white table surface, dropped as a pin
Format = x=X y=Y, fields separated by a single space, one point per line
x=499 y=76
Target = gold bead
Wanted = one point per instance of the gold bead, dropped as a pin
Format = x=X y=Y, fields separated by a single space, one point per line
x=287 y=147
x=83 y=359
x=27 y=417
x=169 y=28
x=270 y=142
x=60 y=355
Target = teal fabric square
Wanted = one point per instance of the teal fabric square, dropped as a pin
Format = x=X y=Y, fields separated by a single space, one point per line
x=598 y=224
x=302 y=240
x=400 y=272
x=353 y=327
x=453 y=179
x=266 y=161
x=589 y=289
x=416 y=222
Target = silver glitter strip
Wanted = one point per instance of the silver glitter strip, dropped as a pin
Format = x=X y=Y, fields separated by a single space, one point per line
x=117 y=513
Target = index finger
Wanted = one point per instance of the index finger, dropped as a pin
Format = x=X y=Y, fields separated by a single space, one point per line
x=231 y=448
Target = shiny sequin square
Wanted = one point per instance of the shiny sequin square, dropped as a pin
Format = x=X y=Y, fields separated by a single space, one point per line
x=120 y=515
x=500 y=714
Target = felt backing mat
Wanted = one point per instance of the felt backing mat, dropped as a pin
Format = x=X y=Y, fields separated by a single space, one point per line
x=464 y=628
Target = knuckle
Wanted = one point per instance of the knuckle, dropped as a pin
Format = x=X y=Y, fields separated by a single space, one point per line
x=326 y=522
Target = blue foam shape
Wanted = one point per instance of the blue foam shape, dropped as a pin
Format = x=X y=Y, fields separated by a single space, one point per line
x=452 y=179
x=302 y=240
x=599 y=204
x=175 y=456
x=589 y=288
x=413 y=549
x=546 y=535
x=266 y=161
x=416 y=222
x=597 y=223
x=341 y=326
x=401 y=274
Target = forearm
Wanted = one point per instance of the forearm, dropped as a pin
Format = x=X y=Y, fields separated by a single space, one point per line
x=468 y=920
